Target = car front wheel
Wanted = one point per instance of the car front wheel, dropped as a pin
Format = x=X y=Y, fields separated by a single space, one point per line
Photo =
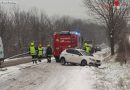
x=83 y=62
x=63 y=62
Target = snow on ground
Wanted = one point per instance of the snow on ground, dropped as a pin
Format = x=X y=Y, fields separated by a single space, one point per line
x=70 y=78
x=9 y=75
x=113 y=76
x=48 y=76
x=53 y=76
x=6 y=73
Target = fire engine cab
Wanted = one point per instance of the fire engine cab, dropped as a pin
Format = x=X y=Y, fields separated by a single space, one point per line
x=63 y=40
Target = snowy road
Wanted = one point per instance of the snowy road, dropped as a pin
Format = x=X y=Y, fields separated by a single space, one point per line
x=51 y=76
x=54 y=76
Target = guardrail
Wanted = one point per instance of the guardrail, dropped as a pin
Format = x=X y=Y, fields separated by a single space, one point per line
x=17 y=55
x=6 y=59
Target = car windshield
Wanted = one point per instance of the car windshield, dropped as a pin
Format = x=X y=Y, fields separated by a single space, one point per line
x=84 y=53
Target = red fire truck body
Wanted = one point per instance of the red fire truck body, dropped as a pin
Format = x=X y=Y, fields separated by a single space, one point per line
x=63 y=40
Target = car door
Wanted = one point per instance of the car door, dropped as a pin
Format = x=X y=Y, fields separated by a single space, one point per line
x=76 y=57
x=68 y=54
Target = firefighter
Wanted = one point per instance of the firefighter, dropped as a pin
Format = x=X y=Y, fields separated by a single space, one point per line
x=88 y=49
x=40 y=52
x=85 y=45
x=33 y=52
x=48 y=53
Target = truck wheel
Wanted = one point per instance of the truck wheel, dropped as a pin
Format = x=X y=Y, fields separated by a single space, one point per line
x=63 y=62
x=83 y=62
x=74 y=64
x=57 y=59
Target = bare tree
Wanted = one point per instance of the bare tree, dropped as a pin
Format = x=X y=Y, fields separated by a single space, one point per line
x=20 y=27
x=115 y=18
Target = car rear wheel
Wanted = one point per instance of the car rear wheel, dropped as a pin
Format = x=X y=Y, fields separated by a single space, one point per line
x=83 y=62
x=63 y=62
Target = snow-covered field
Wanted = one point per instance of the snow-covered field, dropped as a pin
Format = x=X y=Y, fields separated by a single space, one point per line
x=113 y=76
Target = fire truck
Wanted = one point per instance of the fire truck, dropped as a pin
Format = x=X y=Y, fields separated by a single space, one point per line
x=63 y=40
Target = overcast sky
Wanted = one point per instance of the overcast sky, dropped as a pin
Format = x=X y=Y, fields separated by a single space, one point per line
x=74 y=8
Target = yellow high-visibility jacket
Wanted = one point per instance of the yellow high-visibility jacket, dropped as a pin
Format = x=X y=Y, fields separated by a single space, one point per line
x=88 y=49
x=32 y=50
x=40 y=51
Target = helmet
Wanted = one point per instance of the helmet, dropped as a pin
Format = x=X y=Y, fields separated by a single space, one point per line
x=85 y=44
x=40 y=45
x=48 y=45
x=32 y=43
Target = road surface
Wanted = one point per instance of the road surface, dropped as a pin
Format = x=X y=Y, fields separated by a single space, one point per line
x=54 y=76
x=49 y=76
